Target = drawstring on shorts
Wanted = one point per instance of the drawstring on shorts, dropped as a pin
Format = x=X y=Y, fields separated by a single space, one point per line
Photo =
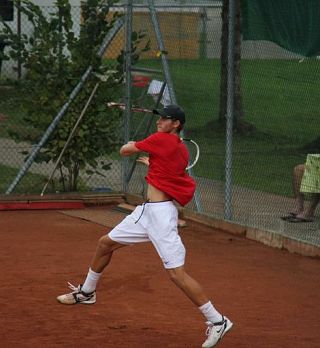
x=143 y=206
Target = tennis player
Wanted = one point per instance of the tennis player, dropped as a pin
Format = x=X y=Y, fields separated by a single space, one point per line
x=156 y=220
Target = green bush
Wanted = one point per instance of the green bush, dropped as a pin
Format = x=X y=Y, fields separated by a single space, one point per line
x=55 y=60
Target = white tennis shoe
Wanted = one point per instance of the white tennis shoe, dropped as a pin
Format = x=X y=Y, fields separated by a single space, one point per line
x=215 y=331
x=77 y=296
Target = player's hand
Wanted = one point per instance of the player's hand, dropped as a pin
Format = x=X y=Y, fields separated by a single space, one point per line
x=144 y=160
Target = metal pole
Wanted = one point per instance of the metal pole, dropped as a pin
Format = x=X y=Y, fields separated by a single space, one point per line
x=70 y=136
x=203 y=34
x=19 y=36
x=230 y=110
x=168 y=79
x=163 y=52
x=23 y=170
x=127 y=101
x=147 y=129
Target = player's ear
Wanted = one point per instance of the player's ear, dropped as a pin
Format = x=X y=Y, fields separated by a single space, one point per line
x=177 y=125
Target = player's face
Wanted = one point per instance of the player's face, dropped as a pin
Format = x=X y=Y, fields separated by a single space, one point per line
x=167 y=125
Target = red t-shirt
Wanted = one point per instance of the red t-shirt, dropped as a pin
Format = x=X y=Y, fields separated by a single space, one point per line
x=168 y=158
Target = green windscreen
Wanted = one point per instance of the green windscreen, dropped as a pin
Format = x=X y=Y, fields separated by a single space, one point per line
x=292 y=24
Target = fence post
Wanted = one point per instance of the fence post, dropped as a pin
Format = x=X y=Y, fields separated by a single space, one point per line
x=228 y=214
x=168 y=79
x=127 y=98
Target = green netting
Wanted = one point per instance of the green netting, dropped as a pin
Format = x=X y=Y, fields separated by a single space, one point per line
x=292 y=24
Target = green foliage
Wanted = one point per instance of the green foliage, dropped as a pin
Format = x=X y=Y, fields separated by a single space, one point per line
x=55 y=59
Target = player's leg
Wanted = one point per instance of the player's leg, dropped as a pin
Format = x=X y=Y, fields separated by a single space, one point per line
x=188 y=285
x=125 y=233
x=105 y=247
x=86 y=293
x=101 y=259
x=217 y=324
x=163 y=233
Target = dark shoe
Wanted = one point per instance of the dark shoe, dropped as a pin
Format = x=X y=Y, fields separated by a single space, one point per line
x=296 y=219
x=289 y=216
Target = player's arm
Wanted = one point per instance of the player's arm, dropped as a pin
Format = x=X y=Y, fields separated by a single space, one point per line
x=129 y=149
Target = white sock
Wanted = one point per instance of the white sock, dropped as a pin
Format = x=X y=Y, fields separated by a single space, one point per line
x=210 y=312
x=91 y=281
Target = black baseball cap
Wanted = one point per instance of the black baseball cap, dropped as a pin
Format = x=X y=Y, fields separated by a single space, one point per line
x=173 y=112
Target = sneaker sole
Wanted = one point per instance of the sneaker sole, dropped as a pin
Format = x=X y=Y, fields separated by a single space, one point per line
x=73 y=303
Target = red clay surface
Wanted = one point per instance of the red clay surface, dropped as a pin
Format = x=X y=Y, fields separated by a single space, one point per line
x=272 y=296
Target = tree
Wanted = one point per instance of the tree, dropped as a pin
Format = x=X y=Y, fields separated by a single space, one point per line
x=240 y=125
x=55 y=60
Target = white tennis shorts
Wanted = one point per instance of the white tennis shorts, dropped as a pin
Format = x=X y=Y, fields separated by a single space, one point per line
x=155 y=222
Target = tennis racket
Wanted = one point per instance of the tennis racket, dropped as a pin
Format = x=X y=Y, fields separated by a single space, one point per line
x=195 y=155
x=122 y=106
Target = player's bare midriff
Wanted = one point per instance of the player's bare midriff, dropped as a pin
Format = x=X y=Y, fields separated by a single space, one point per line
x=155 y=195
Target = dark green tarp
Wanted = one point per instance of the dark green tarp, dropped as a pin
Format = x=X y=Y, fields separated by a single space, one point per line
x=292 y=24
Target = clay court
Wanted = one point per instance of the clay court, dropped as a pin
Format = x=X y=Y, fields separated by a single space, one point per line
x=272 y=296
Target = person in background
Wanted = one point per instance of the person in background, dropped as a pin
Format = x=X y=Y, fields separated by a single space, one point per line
x=300 y=213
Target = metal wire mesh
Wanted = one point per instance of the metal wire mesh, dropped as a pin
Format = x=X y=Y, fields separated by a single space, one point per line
x=280 y=104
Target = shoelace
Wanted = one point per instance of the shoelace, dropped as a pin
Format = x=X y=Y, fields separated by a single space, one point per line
x=73 y=288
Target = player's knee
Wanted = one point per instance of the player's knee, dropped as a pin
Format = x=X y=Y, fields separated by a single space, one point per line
x=177 y=276
x=105 y=244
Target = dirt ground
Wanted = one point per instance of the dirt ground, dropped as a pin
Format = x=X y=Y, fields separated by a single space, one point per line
x=272 y=296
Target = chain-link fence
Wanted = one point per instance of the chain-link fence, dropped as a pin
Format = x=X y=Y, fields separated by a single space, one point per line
x=278 y=126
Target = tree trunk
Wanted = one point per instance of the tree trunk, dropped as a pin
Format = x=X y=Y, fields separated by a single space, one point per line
x=239 y=123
